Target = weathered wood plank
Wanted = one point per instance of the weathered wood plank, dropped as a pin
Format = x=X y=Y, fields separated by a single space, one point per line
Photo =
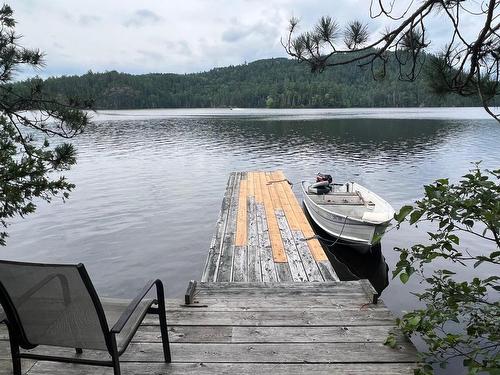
x=211 y=265
x=316 y=249
x=283 y=272
x=254 y=262
x=310 y=266
x=279 y=255
x=192 y=334
x=256 y=353
x=250 y=184
x=294 y=261
x=202 y=368
x=6 y=365
x=267 y=303
x=262 y=334
x=252 y=293
x=278 y=318
x=277 y=353
x=240 y=264
x=241 y=219
x=311 y=334
x=224 y=271
x=329 y=286
x=327 y=271
x=268 y=268
x=296 y=334
x=259 y=198
x=279 y=186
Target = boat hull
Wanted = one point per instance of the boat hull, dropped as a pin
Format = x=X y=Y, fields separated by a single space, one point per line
x=352 y=231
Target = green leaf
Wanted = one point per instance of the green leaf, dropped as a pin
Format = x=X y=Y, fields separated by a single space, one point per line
x=415 y=215
x=454 y=239
x=390 y=341
x=443 y=181
x=404 y=277
x=414 y=320
x=494 y=254
x=476 y=264
x=403 y=212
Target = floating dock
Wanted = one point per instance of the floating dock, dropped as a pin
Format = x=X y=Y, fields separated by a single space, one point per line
x=268 y=303
x=263 y=235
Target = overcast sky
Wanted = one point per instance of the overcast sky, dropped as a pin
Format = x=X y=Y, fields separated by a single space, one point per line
x=172 y=36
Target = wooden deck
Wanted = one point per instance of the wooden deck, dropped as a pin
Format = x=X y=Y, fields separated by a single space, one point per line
x=257 y=328
x=270 y=303
x=262 y=233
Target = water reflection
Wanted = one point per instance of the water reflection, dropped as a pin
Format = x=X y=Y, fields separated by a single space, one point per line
x=350 y=263
x=152 y=188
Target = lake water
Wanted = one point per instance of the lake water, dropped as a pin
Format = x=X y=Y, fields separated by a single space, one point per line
x=150 y=183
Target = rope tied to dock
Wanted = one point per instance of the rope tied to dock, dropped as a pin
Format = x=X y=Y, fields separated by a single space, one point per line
x=277 y=181
x=327 y=242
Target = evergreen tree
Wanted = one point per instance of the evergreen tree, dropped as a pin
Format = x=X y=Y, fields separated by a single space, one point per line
x=27 y=160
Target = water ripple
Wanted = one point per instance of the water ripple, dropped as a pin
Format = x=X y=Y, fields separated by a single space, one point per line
x=149 y=186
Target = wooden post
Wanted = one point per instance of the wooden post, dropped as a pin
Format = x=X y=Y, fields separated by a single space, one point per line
x=189 y=296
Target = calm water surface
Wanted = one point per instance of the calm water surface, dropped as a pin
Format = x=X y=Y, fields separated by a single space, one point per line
x=150 y=183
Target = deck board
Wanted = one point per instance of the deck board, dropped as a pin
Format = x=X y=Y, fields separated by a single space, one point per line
x=256 y=327
x=269 y=301
x=263 y=234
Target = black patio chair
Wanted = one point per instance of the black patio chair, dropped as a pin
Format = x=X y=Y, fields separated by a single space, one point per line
x=57 y=305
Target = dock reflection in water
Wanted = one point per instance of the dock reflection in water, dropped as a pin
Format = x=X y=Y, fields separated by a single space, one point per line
x=150 y=185
x=352 y=264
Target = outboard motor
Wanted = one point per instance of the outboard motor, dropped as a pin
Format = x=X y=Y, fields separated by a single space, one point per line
x=324 y=177
x=322 y=185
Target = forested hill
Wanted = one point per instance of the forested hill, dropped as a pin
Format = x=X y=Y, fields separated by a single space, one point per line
x=277 y=83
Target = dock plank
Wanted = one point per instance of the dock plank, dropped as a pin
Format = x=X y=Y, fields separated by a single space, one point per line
x=279 y=255
x=278 y=182
x=212 y=262
x=268 y=267
x=240 y=264
x=48 y=368
x=224 y=271
x=342 y=352
x=241 y=221
x=316 y=249
x=294 y=260
x=254 y=258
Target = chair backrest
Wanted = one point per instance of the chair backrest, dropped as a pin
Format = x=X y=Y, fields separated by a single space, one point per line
x=52 y=304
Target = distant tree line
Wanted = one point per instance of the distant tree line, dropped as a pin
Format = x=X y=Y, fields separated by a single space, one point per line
x=272 y=83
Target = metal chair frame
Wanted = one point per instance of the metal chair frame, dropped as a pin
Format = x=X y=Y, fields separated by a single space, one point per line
x=18 y=338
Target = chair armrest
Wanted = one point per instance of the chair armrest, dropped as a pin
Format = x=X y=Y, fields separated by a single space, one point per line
x=135 y=302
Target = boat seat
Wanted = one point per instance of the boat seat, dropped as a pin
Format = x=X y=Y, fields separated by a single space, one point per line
x=340 y=199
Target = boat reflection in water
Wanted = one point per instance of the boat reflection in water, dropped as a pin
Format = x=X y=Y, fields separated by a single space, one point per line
x=351 y=264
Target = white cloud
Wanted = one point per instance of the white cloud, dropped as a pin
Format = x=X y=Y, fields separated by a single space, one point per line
x=167 y=36
x=142 y=17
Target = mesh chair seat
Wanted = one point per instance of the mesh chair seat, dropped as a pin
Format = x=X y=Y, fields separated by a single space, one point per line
x=57 y=305
x=113 y=309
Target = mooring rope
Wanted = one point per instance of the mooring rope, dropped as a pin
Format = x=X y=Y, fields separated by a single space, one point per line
x=327 y=242
x=276 y=181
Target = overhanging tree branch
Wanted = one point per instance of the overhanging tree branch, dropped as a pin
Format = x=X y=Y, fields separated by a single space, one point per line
x=465 y=67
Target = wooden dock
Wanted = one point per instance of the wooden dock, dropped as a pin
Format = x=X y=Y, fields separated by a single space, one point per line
x=263 y=235
x=272 y=304
x=256 y=328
